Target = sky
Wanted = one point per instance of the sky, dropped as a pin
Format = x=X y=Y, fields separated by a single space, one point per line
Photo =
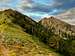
x=38 y=9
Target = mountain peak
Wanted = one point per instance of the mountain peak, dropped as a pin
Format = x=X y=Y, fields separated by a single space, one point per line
x=11 y=11
x=8 y=10
x=56 y=23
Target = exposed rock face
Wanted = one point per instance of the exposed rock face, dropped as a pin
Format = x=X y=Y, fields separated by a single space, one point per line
x=57 y=25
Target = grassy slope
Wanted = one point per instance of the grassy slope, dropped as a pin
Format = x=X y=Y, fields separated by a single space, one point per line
x=15 y=42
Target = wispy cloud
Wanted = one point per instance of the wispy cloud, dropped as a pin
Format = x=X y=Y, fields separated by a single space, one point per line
x=24 y=4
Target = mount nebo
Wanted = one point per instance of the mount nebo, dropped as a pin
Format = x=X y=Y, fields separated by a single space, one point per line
x=22 y=36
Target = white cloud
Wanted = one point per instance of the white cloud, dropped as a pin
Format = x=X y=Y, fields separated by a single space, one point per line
x=23 y=4
x=55 y=4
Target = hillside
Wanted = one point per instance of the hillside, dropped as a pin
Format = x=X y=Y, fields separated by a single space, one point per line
x=63 y=35
x=15 y=42
x=26 y=23
x=17 y=37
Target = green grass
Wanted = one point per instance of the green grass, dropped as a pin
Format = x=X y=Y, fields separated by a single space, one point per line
x=18 y=43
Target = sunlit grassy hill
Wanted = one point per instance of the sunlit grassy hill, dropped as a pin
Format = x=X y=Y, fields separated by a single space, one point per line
x=15 y=42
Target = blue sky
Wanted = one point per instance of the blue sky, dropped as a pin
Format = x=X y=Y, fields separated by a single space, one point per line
x=38 y=8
